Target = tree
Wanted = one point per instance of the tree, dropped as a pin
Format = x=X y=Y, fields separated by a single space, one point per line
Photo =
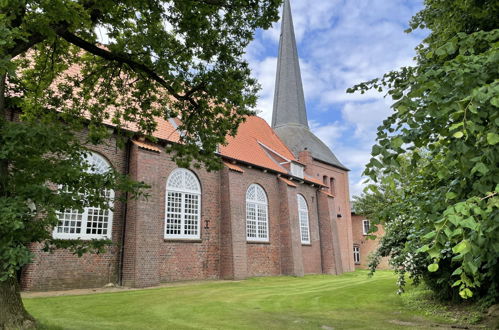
x=164 y=59
x=445 y=122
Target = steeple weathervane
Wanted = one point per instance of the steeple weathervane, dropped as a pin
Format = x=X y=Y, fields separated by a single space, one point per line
x=289 y=101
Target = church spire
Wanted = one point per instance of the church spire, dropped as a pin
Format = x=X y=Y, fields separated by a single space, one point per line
x=289 y=101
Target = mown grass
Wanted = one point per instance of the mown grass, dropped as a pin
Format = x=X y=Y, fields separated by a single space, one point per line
x=349 y=301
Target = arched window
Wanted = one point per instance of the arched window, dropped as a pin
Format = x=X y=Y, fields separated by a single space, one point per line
x=257 y=219
x=183 y=205
x=303 y=219
x=93 y=222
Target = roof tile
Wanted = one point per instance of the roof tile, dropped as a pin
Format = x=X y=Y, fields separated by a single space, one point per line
x=288 y=182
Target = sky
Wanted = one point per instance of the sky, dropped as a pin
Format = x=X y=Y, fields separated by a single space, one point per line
x=341 y=43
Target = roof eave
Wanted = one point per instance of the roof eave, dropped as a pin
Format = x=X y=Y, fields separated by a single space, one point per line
x=331 y=164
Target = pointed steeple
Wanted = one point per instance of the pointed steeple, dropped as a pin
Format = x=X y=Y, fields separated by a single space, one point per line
x=289 y=101
x=289 y=118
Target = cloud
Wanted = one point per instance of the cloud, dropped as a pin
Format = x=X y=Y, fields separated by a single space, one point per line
x=366 y=117
x=329 y=133
x=264 y=70
x=341 y=43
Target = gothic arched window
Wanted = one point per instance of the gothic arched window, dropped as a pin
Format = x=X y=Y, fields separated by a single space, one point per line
x=183 y=205
x=303 y=219
x=93 y=222
x=257 y=218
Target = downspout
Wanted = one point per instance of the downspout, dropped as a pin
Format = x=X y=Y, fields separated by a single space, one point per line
x=128 y=148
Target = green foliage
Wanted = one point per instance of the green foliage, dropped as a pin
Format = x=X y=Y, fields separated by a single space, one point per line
x=41 y=157
x=164 y=59
x=434 y=168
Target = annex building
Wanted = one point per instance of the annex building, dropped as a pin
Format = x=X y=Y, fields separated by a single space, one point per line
x=280 y=206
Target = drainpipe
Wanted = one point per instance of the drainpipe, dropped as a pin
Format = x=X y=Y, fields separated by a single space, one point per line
x=128 y=148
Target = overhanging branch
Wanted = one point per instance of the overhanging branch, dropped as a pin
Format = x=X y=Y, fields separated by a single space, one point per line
x=126 y=59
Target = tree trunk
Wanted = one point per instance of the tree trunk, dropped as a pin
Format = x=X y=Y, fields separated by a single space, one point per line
x=12 y=312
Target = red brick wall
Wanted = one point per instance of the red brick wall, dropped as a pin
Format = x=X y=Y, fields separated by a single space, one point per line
x=367 y=246
x=318 y=170
x=311 y=253
x=291 y=256
x=222 y=251
x=155 y=258
x=64 y=270
x=261 y=258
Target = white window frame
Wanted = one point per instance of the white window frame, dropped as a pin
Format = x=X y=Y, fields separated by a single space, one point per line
x=297 y=170
x=183 y=191
x=258 y=205
x=364 y=222
x=303 y=219
x=99 y=165
x=356 y=254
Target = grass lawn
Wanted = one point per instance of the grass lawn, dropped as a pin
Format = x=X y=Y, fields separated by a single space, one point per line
x=348 y=301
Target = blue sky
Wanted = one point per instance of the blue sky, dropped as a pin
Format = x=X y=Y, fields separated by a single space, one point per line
x=341 y=43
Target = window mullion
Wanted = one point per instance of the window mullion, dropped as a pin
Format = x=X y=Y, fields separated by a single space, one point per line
x=84 y=221
x=198 y=197
x=257 y=220
x=266 y=209
x=182 y=214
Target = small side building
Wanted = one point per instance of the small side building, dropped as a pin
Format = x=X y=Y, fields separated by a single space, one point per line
x=363 y=246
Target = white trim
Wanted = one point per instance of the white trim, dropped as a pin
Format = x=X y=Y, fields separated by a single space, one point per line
x=70 y=218
x=303 y=223
x=278 y=154
x=183 y=192
x=297 y=170
x=364 y=232
x=356 y=254
x=257 y=205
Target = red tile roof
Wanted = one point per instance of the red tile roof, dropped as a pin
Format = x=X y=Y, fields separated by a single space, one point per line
x=255 y=143
x=326 y=193
x=314 y=180
x=234 y=167
x=146 y=146
x=286 y=181
x=247 y=147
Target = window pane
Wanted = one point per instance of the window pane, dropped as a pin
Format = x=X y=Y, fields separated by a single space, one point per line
x=262 y=221
x=191 y=218
x=69 y=222
x=256 y=213
x=174 y=213
x=303 y=219
x=97 y=221
x=251 y=220
x=93 y=222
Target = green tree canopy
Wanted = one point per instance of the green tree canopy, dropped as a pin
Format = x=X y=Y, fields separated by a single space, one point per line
x=438 y=154
x=161 y=59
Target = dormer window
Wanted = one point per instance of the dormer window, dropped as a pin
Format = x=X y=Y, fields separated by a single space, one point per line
x=297 y=170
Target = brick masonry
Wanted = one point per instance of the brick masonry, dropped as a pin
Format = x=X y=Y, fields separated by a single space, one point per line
x=223 y=251
x=341 y=212
x=64 y=270
x=366 y=245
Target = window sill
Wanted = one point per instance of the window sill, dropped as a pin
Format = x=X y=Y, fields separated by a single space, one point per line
x=258 y=242
x=82 y=239
x=306 y=244
x=183 y=240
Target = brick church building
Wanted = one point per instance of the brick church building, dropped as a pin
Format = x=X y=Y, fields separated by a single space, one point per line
x=280 y=206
